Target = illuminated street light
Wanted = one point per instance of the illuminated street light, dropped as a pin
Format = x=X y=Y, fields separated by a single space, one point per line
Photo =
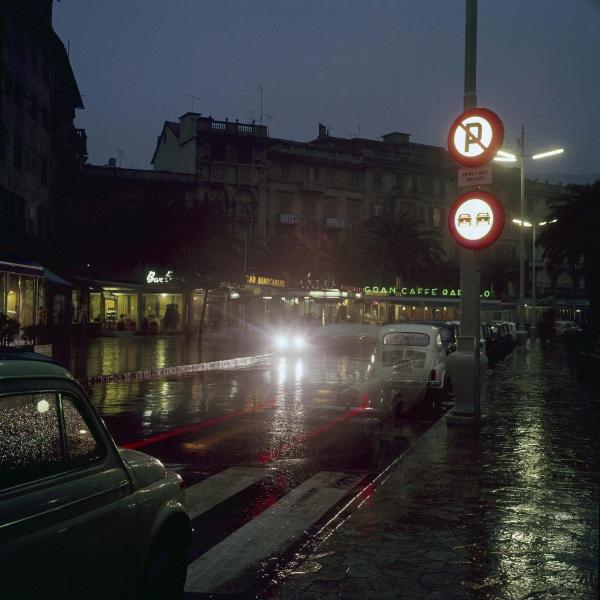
x=549 y=153
x=503 y=156
x=533 y=225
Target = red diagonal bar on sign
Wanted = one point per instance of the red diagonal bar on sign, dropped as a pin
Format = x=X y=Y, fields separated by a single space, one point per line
x=472 y=137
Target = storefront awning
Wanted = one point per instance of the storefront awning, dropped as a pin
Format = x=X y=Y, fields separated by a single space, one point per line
x=21 y=267
x=56 y=279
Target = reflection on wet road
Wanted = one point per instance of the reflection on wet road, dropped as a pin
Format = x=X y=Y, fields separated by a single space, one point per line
x=282 y=419
x=260 y=414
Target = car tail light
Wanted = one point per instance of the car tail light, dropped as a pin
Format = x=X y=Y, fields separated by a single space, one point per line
x=364 y=399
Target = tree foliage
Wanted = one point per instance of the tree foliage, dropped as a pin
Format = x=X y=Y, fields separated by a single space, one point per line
x=397 y=245
x=575 y=239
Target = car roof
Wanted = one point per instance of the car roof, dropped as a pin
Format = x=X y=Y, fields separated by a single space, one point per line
x=434 y=323
x=408 y=328
x=16 y=364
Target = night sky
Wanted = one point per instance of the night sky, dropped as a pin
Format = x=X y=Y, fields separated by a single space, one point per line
x=396 y=64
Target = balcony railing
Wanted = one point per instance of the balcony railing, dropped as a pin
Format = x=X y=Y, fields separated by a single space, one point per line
x=239 y=128
x=313 y=186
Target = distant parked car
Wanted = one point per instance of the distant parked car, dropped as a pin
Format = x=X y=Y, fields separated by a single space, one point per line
x=566 y=328
x=408 y=368
x=448 y=330
x=80 y=518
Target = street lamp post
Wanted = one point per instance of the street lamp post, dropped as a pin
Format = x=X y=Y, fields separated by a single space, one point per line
x=508 y=157
x=533 y=225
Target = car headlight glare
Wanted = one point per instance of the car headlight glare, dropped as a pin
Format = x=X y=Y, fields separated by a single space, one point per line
x=299 y=342
x=281 y=342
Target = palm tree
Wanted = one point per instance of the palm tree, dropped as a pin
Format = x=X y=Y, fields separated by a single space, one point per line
x=575 y=239
x=343 y=260
x=203 y=251
x=398 y=246
x=499 y=271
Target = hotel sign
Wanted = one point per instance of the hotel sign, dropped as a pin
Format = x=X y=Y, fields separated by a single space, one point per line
x=263 y=280
x=410 y=292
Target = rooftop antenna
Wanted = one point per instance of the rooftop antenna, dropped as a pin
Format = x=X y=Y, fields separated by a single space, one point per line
x=194 y=98
x=359 y=121
x=260 y=91
x=120 y=154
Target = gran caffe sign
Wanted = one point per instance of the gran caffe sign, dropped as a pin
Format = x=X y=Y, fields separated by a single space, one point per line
x=411 y=292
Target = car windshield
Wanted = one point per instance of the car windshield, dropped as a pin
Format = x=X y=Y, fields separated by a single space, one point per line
x=403 y=338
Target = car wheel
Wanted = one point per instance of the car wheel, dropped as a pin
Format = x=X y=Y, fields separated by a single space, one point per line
x=166 y=568
x=430 y=405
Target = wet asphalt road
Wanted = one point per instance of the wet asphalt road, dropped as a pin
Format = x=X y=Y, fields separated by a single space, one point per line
x=269 y=415
x=265 y=415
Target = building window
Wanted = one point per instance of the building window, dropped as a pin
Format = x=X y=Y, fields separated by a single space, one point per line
x=437 y=188
x=285 y=203
x=355 y=180
x=285 y=170
x=407 y=184
x=19 y=92
x=353 y=211
x=30 y=160
x=377 y=181
x=44 y=169
x=46 y=65
x=245 y=154
x=436 y=217
x=377 y=210
x=331 y=207
x=3 y=143
x=217 y=152
x=331 y=177
x=7 y=82
x=18 y=153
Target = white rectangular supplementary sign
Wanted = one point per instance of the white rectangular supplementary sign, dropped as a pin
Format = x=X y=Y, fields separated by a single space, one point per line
x=477 y=176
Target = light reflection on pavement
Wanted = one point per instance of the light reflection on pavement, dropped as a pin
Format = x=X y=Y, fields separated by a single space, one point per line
x=265 y=412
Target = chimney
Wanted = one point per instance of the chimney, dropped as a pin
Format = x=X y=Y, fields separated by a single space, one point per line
x=323 y=131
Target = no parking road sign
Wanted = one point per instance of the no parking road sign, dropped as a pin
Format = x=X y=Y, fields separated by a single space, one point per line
x=476 y=220
x=475 y=137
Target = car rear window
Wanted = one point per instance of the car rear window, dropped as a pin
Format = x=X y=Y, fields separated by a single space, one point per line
x=402 y=338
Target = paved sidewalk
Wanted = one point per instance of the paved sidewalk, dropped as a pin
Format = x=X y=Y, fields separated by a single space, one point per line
x=510 y=512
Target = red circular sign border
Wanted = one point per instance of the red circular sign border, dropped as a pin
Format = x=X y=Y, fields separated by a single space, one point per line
x=497 y=226
x=490 y=152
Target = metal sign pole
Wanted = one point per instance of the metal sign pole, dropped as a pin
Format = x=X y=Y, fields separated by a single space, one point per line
x=466 y=363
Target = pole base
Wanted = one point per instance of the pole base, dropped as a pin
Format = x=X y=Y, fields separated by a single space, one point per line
x=522 y=336
x=463 y=419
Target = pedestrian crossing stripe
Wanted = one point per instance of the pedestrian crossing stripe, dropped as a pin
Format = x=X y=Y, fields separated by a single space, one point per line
x=271 y=533
x=201 y=497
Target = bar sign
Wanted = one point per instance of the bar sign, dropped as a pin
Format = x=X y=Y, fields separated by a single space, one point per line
x=476 y=176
